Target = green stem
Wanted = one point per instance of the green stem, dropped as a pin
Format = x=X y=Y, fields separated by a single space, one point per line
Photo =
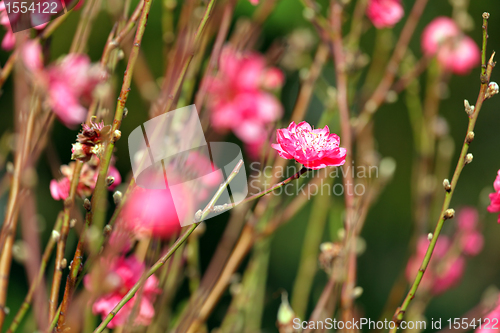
x=98 y=199
x=400 y=312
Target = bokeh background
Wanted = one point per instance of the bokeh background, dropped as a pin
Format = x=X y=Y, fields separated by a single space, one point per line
x=389 y=224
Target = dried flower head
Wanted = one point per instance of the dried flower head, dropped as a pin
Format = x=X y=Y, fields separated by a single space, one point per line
x=90 y=141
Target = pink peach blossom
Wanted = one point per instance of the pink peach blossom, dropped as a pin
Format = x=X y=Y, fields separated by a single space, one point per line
x=315 y=149
x=459 y=57
x=472 y=242
x=384 y=13
x=467 y=218
x=124 y=273
x=494 y=206
x=455 y=52
x=239 y=98
x=152 y=212
x=254 y=2
x=68 y=83
x=438 y=32
x=59 y=189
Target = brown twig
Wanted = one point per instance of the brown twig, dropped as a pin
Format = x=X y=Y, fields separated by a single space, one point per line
x=61 y=244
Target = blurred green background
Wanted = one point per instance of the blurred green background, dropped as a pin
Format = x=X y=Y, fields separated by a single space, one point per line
x=389 y=224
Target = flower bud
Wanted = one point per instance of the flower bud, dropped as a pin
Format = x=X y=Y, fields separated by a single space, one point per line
x=80 y=152
x=117 y=197
x=387 y=167
x=285 y=315
x=198 y=215
x=449 y=214
x=64 y=263
x=55 y=235
x=470 y=137
x=357 y=292
x=87 y=205
x=117 y=135
x=107 y=229
x=110 y=180
x=429 y=236
x=468 y=158
x=447 y=185
x=469 y=109
x=19 y=251
x=492 y=90
x=72 y=223
x=308 y=14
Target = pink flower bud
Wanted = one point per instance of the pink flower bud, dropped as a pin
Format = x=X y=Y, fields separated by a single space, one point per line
x=384 y=13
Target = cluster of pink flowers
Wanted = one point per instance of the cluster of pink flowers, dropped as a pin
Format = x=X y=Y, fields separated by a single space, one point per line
x=314 y=148
x=59 y=189
x=123 y=273
x=384 y=13
x=240 y=98
x=454 y=51
x=494 y=206
x=448 y=260
x=69 y=82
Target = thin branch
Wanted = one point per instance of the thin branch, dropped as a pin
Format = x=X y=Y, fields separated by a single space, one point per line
x=445 y=213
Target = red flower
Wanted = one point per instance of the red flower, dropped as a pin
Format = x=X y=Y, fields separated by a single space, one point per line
x=315 y=149
x=384 y=13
